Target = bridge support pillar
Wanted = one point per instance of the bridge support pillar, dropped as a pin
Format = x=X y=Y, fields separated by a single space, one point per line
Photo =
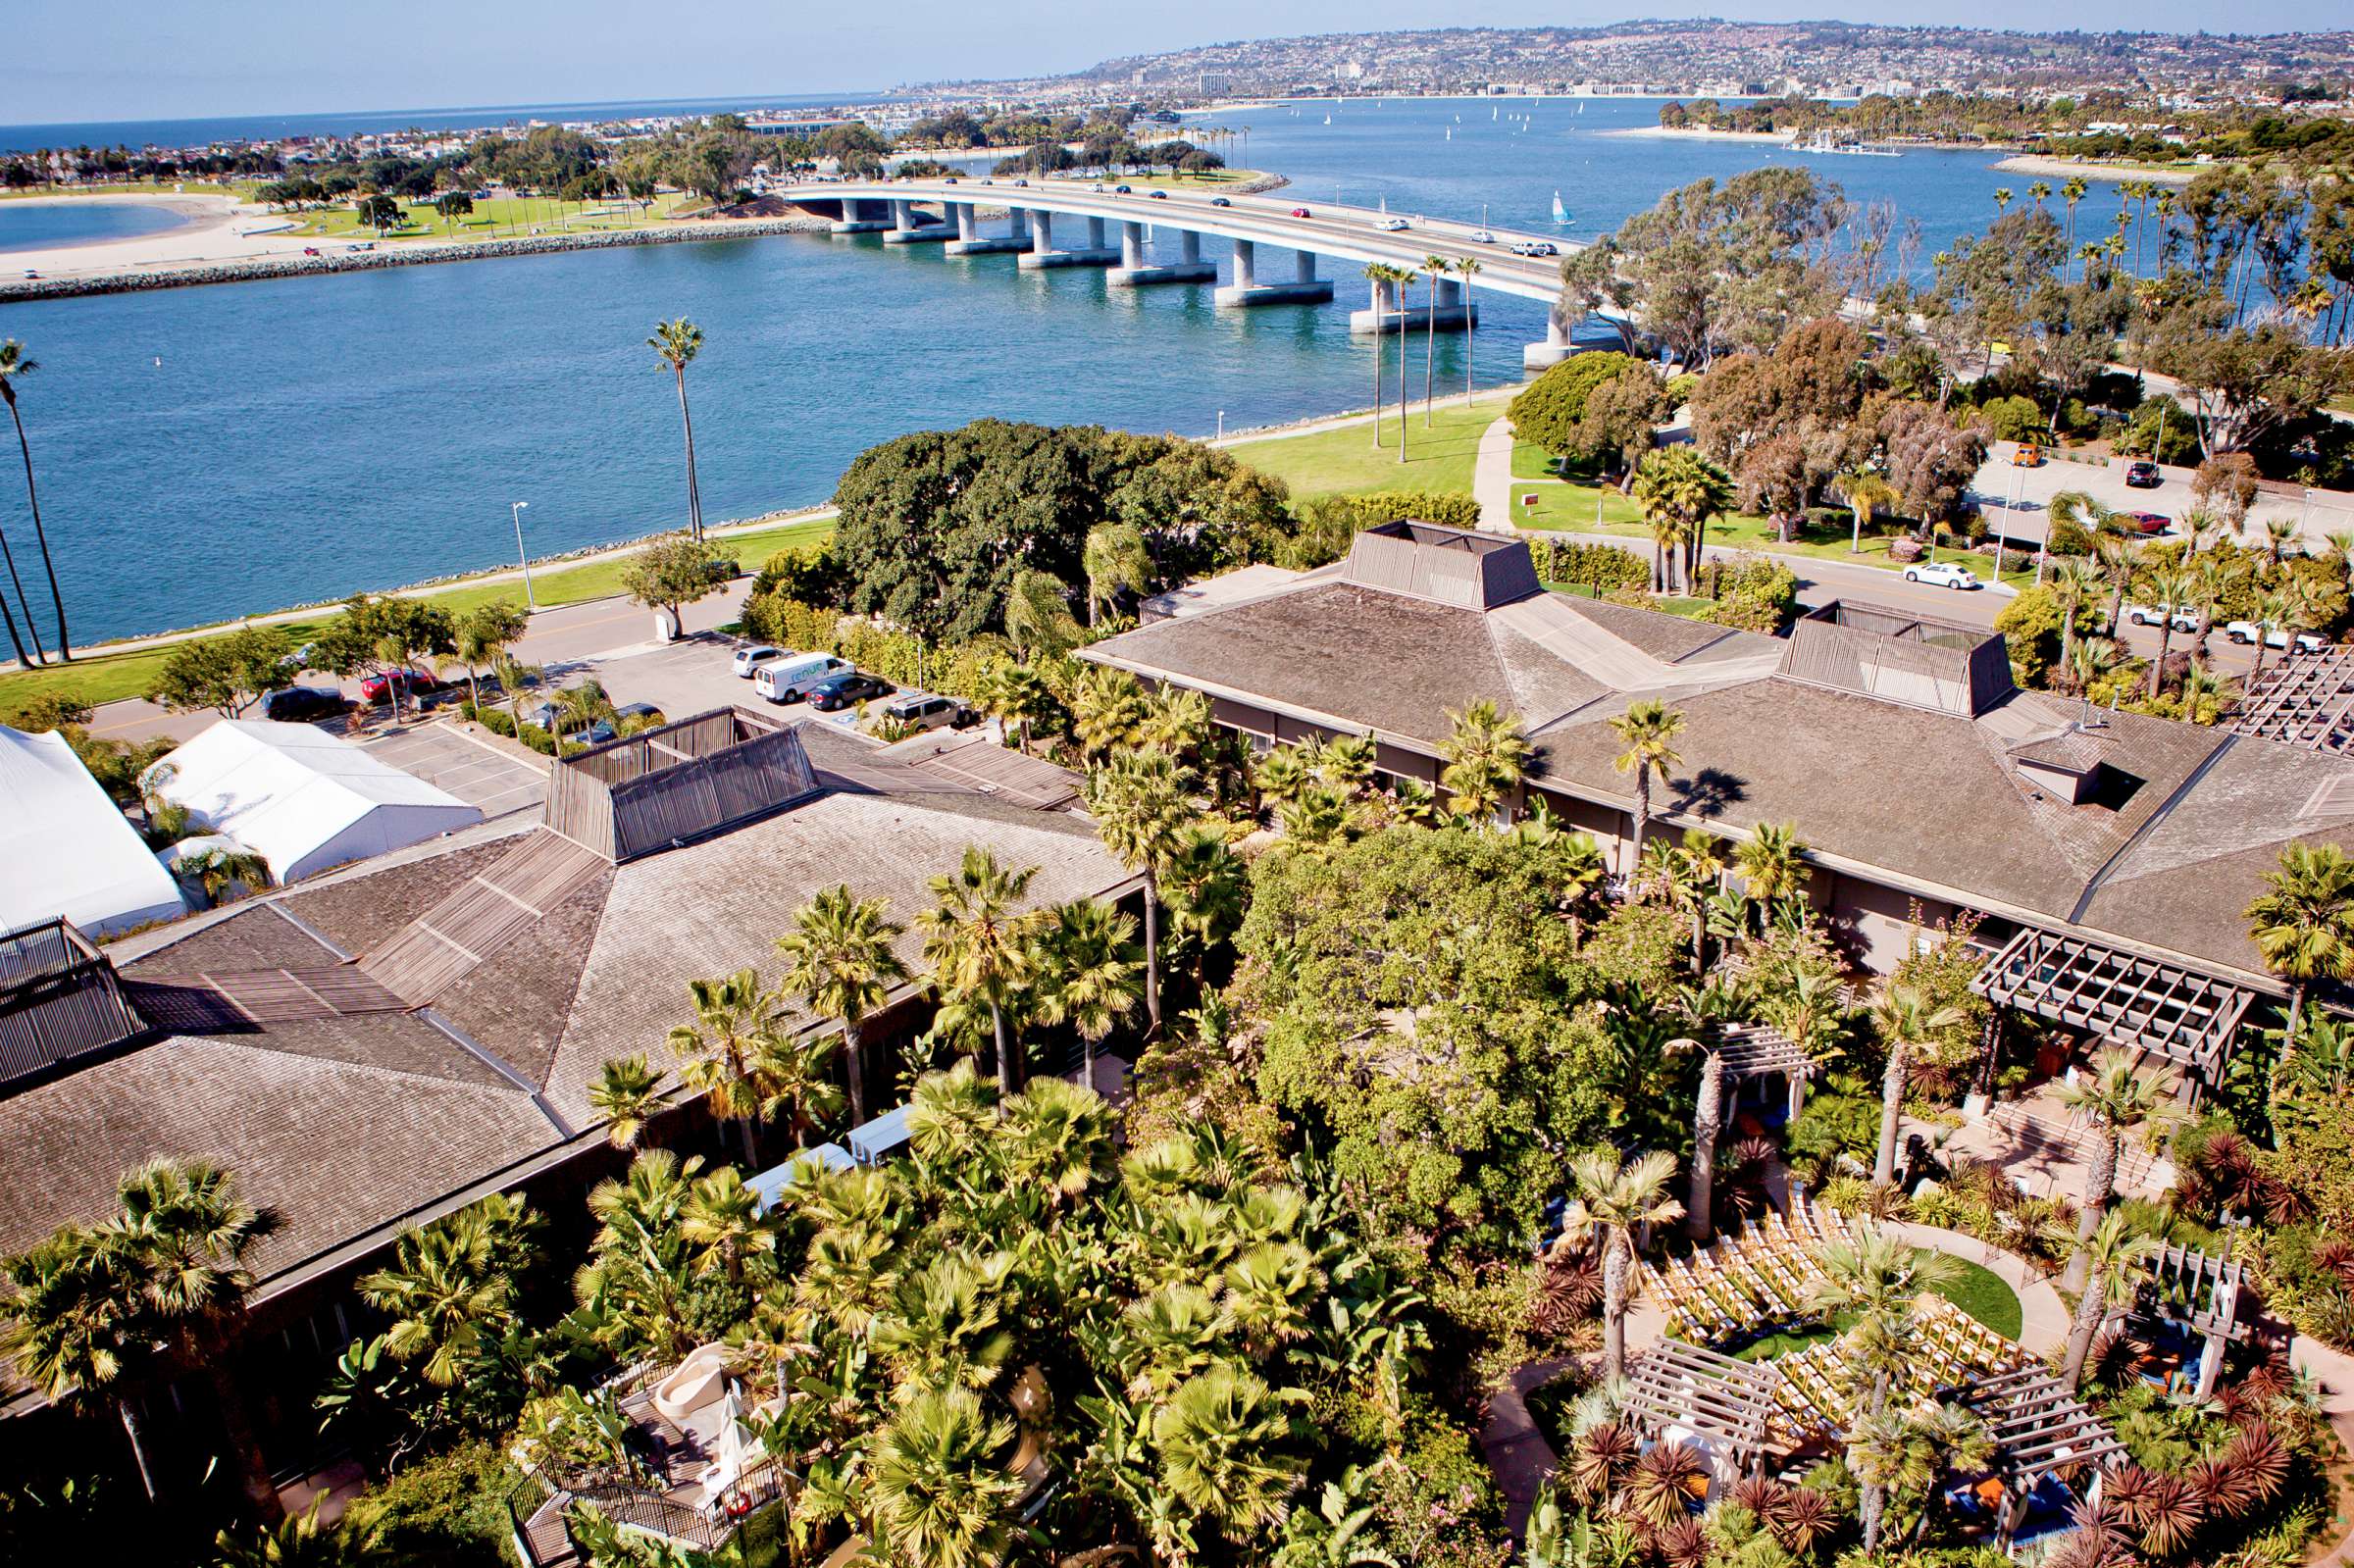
x=1555 y=348
x=1305 y=289
x=1189 y=246
x=966 y=226
x=1393 y=309
x=1041 y=251
x=1136 y=269
x=909 y=228
x=1303 y=266
x=970 y=241
x=854 y=218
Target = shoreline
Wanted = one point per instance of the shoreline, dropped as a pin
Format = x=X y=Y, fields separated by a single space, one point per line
x=2050 y=168
x=1699 y=134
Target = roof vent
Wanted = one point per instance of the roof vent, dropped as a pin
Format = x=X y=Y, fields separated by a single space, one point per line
x=1454 y=566
x=1900 y=657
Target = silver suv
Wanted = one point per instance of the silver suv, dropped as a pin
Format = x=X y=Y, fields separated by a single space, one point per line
x=921 y=710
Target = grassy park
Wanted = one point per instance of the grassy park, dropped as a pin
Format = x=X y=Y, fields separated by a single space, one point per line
x=495 y=218
x=1344 y=461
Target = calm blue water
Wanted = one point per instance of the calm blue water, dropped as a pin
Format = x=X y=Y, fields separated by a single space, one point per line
x=302 y=439
x=270 y=128
x=37 y=224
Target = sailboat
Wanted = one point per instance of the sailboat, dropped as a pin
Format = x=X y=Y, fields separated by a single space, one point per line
x=1328 y=120
x=1451 y=133
x=1561 y=213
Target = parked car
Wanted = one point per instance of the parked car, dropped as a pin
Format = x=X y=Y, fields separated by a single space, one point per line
x=1159 y=195
x=750 y=658
x=2244 y=634
x=1944 y=574
x=2144 y=522
x=1481 y=236
x=1220 y=201
x=2146 y=615
x=1301 y=212
x=413 y=684
x=921 y=710
x=2026 y=454
x=2143 y=476
x=848 y=690
x=1394 y=225
x=302 y=704
x=789 y=679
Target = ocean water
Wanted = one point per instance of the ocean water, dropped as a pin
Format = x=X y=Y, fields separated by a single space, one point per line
x=209 y=452
x=39 y=225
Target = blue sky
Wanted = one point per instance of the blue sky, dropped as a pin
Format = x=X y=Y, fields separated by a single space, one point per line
x=157 y=59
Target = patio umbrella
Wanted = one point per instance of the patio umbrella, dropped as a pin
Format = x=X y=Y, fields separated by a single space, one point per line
x=731 y=1444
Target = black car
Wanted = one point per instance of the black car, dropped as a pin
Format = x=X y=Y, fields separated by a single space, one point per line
x=840 y=691
x=1219 y=201
x=1119 y=190
x=1160 y=195
x=302 y=704
x=2143 y=476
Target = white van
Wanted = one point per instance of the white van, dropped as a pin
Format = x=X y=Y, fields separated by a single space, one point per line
x=788 y=679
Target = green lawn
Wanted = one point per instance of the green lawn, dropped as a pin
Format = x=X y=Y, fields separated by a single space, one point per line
x=1345 y=461
x=97 y=677
x=1978 y=1292
x=1571 y=508
x=500 y=217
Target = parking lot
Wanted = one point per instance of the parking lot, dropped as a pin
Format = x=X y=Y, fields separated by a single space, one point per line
x=690 y=677
x=449 y=760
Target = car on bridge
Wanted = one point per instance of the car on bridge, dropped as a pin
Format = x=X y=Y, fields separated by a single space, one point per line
x=1301 y=212
x=1480 y=237
x=1219 y=201
x=1119 y=190
x=1394 y=225
x=1159 y=195
x=1943 y=575
x=1536 y=247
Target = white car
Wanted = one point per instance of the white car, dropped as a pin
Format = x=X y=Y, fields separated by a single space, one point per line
x=1394 y=225
x=1536 y=247
x=2144 y=615
x=1480 y=237
x=2244 y=632
x=1943 y=575
x=749 y=659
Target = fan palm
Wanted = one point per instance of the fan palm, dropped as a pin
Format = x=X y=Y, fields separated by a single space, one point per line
x=949 y=1114
x=1175 y=720
x=1207 y=888
x=979 y=943
x=1467 y=268
x=736 y=1023
x=942 y=1499
x=1115 y=561
x=1487 y=757
x=1648 y=730
x=1060 y=1140
x=794 y=1077
x=2173 y=588
x=2117 y=1259
x=1379 y=273
x=1906 y=1019
x=676 y=344
x=2303 y=922
x=1772 y=865
x=1610 y=1201
x=1681 y=493
x=2072 y=583
x=1089 y=971
x=15 y=366
x=1904 y=1453
x=1878 y=1279
x=1223 y=1442
x=724 y=1224
x=943 y=1329
x=2117 y=560
x=1865 y=493
x=844 y=966
x=625 y=1094
x=71 y=1324
x=1038 y=614
x=1434 y=268
x=219 y=872
x=2114 y=1099
x=1142 y=808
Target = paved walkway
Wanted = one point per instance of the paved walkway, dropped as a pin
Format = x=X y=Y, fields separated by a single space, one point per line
x=1492 y=476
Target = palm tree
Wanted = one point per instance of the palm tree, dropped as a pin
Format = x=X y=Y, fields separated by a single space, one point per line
x=1207 y=888
x=1906 y=1020
x=795 y=1076
x=1434 y=268
x=2120 y=559
x=1904 y=1453
x=2002 y=199
x=1707 y=1121
x=185 y=1235
x=1141 y=807
x=513 y=675
x=844 y=967
x=626 y=1095
x=70 y=1325
x=1107 y=706
x=1379 y=275
x=1676 y=485
x=979 y=945
x=1487 y=757
x=1061 y=1136
x=2303 y=922
x=2116 y=1260
x=1611 y=1202
x=1089 y=979
x=444 y=1297
x=2073 y=584
x=579 y=707
x=2275 y=607
x=481 y=639
x=942 y=1497
x=676 y=343
x=1876 y=1279
x=1222 y=1442
x=1115 y=561
x=15 y=366
x=215 y=871
x=1176 y=721
x=1865 y=493
x=722 y=1222
x=1038 y=614
x=2114 y=1099
x=1772 y=865
x=2173 y=588
x=736 y=1023
x=2072 y=192
x=1648 y=729
x=1467 y=268
x=2037 y=191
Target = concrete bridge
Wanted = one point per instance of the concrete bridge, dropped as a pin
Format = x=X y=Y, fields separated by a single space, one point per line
x=1063 y=223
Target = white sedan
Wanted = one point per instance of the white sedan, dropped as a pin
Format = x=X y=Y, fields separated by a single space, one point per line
x=1481 y=236
x=1394 y=225
x=1943 y=575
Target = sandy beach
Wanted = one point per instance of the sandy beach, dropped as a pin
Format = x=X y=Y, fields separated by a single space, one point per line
x=211 y=233
x=2029 y=162
x=1775 y=138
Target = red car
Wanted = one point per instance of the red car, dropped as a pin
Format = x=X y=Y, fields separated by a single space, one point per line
x=1301 y=212
x=2145 y=522
x=412 y=682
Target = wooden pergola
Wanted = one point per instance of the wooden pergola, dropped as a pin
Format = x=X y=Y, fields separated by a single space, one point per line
x=2134 y=1003
x=1756 y=1050
x=1731 y=1404
x=2040 y=1428
x=2202 y=1292
x=2306 y=699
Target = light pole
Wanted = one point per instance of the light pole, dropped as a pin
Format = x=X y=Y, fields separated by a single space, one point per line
x=1221 y=424
x=531 y=600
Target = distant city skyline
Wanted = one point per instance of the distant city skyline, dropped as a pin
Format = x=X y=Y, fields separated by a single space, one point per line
x=144 y=59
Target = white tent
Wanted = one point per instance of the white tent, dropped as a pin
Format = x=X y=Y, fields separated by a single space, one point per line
x=67 y=848
x=301 y=798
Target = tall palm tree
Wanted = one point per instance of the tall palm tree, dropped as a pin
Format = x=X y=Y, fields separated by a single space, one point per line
x=979 y=943
x=1467 y=268
x=1772 y=865
x=1610 y=1201
x=481 y=638
x=2037 y=191
x=943 y=1498
x=1142 y=808
x=842 y=966
x=625 y=1094
x=1906 y=1019
x=187 y=1235
x=1904 y=1453
x=1707 y=1121
x=2117 y=1259
x=1225 y=1441
x=1107 y=706
x=1648 y=730
x=1865 y=493
x=1677 y=485
x=1876 y=1280
x=794 y=1075
x=2303 y=922
x=2073 y=584
x=2120 y=559
x=1487 y=756
x=2275 y=607
x=1434 y=268
x=2002 y=200
x=1176 y=721
x=444 y=1296
x=1207 y=888
x=2072 y=192
x=2114 y=1099
x=70 y=1325
x=1379 y=275
x=1114 y=559
x=736 y=1023
x=1091 y=979
x=676 y=344
x=1038 y=614
x=2173 y=588
x=15 y=366
x=722 y=1222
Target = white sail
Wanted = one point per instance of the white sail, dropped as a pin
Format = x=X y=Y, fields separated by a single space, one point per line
x=1561 y=213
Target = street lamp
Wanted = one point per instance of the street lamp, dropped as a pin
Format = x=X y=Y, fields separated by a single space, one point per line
x=1221 y=424
x=531 y=600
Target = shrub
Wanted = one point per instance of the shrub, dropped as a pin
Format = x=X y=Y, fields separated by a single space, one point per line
x=2030 y=626
x=2013 y=418
x=1551 y=409
x=1640 y=945
x=1604 y=568
x=1755 y=592
x=449 y=1509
